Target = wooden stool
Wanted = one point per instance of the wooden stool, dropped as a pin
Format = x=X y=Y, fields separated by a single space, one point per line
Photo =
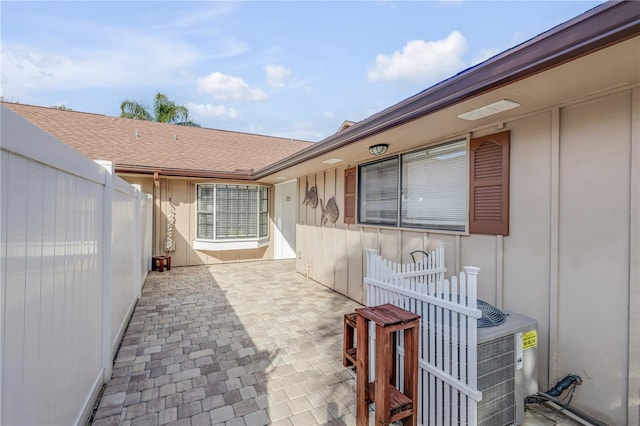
x=349 y=348
x=158 y=263
x=391 y=405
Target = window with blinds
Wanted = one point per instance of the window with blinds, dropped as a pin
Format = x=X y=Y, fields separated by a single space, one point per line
x=434 y=187
x=205 y=212
x=421 y=189
x=227 y=212
x=263 y=212
x=378 y=194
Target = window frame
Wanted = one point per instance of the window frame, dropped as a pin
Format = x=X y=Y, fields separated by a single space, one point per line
x=262 y=209
x=360 y=193
x=398 y=224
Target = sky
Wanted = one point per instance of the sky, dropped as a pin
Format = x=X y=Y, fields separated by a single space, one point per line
x=294 y=69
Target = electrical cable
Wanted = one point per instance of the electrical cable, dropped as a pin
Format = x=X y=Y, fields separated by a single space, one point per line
x=570 y=383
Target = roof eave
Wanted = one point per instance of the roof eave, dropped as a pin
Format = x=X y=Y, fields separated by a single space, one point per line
x=602 y=26
x=184 y=173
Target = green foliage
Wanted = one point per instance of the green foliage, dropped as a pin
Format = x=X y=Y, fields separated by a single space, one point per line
x=62 y=107
x=164 y=111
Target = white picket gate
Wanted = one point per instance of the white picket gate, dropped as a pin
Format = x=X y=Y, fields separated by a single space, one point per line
x=447 y=381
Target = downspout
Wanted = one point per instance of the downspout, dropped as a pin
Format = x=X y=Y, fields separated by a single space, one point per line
x=157 y=203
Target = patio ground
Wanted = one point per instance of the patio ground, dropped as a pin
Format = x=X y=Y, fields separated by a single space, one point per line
x=235 y=344
x=241 y=344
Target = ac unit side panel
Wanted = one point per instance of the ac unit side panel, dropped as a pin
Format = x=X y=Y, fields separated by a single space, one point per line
x=507 y=370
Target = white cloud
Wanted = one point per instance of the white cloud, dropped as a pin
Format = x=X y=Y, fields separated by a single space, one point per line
x=328 y=115
x=114 y=55
x=228 y=88
x=208 y=111
x=421 y=60
x=141 y=61
x=277 y=76
x=194 y=20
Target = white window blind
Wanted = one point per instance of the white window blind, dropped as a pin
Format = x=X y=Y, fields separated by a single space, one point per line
x=378 y=195
x=421 y=189
x=236 y=211
x=434 y=183
x=228 y=212
x=264 y=211
x=205 y=211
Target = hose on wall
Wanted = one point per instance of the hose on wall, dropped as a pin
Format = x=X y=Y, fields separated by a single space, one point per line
x=570 y=382
x=169 y=243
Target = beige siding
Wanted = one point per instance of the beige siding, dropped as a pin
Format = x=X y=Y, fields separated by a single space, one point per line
x=325 y=252
x=526 y=249
x=480 y=251
x=594 y=251
x=181 y=198
x=566 y=262
x=340 y=239
x=355 y=249
x=301 y=232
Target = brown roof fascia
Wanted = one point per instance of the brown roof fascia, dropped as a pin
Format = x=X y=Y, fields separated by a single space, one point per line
x=187 y=173
x=602 y=26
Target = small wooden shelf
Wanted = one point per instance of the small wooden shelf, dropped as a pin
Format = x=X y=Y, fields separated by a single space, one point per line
x=352 y=355
x=349 y=350
x=400 y=405
x=158 y=263
x=391 y=404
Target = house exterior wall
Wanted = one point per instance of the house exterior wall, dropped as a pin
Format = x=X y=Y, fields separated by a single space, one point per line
x=182 y=193
x=567 y=262
x=593 y=240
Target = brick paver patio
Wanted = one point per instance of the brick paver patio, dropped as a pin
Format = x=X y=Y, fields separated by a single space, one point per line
x=232 y=344
x=238 y=344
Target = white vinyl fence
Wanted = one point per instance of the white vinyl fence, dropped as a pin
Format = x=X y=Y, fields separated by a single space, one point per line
x=447 y=360
x=75 y=254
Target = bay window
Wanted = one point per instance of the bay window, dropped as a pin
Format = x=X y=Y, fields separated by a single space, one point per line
x=231 y=212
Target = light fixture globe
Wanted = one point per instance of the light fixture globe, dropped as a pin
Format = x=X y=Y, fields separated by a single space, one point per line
x=378 y=149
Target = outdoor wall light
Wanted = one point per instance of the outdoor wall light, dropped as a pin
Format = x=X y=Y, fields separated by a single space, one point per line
x=378 y=149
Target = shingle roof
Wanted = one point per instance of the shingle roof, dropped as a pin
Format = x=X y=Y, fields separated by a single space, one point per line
x=134 y=145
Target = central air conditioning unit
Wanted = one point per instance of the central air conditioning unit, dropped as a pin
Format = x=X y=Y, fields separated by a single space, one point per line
x=507 y=369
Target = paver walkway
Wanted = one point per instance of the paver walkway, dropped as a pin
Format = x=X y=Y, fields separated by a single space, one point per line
x=237 y=344
x=233 y=344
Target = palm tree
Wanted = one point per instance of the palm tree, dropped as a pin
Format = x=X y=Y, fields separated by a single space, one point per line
x=62 y=107
x=164 y=111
